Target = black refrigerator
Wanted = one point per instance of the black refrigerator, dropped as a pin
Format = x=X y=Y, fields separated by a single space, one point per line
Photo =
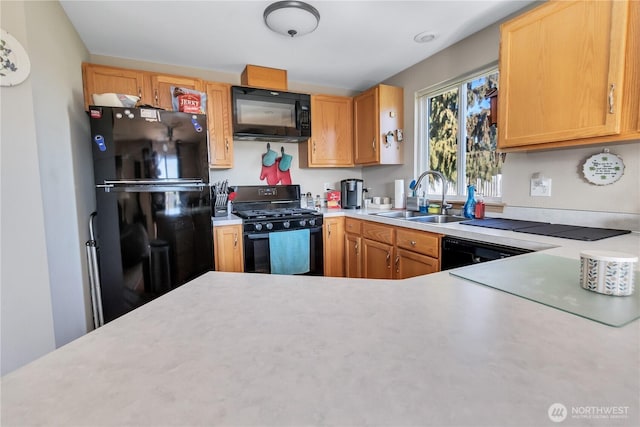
x=152 y=231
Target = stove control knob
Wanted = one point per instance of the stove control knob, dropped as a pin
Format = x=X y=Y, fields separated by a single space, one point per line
x=303 y=222
x=312 y=222
x=269 y=226
x=258 y=226
x=286 y=224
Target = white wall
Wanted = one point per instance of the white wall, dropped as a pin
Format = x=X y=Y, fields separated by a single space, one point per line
x=569 y=190
x=247 y=168
x=45 y=195
x=27 y=328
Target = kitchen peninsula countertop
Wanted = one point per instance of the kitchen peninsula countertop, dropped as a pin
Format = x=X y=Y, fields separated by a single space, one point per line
x=251 y=349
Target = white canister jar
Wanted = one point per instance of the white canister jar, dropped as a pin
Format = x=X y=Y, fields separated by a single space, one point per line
x=608 y=272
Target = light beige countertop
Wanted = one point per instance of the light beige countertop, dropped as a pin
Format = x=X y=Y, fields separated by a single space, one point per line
x=239 y=349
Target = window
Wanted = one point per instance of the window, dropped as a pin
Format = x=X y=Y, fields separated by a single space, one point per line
x=457 y=111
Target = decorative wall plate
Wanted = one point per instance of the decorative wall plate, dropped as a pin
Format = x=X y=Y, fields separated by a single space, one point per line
x=14 y=61
x=603 y=168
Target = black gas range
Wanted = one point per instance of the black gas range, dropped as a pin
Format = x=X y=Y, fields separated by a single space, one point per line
x=275 y=209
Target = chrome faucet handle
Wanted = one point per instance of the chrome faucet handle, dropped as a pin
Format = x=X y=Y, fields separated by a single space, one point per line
x=446 y=208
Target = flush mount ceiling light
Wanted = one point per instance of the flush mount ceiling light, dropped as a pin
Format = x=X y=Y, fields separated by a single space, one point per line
x=291 y=18
x=424 y=37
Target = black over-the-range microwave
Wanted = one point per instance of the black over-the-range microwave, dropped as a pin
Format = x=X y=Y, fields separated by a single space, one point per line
x=270 y=115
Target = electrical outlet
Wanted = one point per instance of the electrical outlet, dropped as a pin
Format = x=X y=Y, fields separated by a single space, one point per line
x=327 y=186
x=540 y=187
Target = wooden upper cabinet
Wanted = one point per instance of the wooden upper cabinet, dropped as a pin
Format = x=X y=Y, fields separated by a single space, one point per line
x=378 y=115
x=264 y=77
x=219 y=125
x=331 y=142
x=366 y=123
x=569 y=75
x=161 y=88
x=104 y=79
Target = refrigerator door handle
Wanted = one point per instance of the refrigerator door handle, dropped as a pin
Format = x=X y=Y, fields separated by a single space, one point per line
x=142 y=185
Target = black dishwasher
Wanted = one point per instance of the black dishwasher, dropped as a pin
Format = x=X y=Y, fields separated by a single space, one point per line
x=458 y=252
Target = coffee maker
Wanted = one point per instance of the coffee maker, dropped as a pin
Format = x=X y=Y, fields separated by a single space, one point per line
x=351 y=193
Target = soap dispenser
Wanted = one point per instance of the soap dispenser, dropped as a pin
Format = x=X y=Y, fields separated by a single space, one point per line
x=470 y=204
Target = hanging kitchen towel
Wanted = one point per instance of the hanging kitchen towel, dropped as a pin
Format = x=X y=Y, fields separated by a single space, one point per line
x=269 y=158
x=285 y=161
x=289 y=251
x=269 y=167
x=284 y=166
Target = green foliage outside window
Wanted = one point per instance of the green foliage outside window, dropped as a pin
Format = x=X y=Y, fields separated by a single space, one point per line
x=482 y=164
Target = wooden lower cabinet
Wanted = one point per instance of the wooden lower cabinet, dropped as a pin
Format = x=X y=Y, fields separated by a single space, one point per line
x=377 y=259
x=352 y=247
x=411 y=264
x=227 y=248
x=380 y=251
x=352 y=255
x=333 y=246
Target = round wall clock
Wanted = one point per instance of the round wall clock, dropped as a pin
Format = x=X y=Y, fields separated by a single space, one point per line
x=14 y=61
x=603 y=168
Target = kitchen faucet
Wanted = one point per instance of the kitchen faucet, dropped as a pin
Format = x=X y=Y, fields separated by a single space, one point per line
x=443 y=208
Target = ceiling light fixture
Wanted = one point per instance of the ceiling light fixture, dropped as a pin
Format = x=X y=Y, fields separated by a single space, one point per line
x=291 y=18
x=424 y=37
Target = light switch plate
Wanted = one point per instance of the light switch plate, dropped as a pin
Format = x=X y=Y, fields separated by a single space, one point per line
x=540 y=187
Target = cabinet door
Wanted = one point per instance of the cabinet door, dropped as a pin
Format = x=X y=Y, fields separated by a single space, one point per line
x=219 y=125
x=366 y=125
x=561 y=72
x=353 y=255
x=228 y=248
x=377 y=260
x=333 y=229
x=411 y=264
x=161 y=87
x=103 y=79
x=391 y=113
x=331 y=142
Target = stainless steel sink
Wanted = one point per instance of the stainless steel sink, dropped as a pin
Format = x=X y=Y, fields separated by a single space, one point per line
x=438 y=219
x=401 y=214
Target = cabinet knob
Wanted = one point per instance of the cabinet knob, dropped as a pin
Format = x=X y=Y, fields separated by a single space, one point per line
x=413 y=243
x=373 y=144
x=388 y=259
x=314 y=147
x=140 y=93
x=155 y=97
x=226 y=142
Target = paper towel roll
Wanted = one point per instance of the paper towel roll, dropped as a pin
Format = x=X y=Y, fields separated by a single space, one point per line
x=398 y=199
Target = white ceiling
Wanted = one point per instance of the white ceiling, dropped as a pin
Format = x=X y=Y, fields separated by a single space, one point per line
x=357 y=43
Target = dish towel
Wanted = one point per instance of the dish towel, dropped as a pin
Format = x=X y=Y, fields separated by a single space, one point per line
x=289 y=251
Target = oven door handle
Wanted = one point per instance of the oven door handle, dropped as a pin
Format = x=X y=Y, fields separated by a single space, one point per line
x=258 y=236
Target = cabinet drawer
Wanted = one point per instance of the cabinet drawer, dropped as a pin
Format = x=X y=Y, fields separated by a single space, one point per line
x=353 y=226
x=420 y=242
x=378 y=232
